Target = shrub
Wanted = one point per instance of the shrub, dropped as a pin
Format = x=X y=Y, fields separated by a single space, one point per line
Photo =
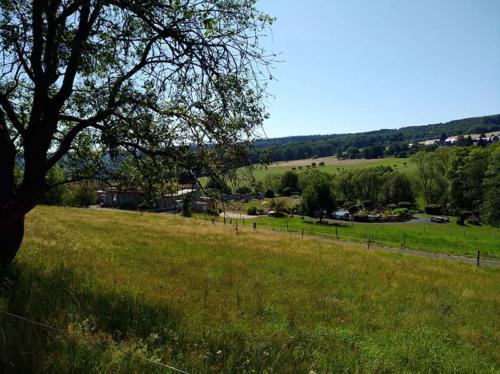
x=252 y=210
x=212 y=212
x=186 y=207
x=287 y=191
x=270 y=194
x=367 y=204
x=313 y=164
x=322 y=163
x=360 y=217
x=473 y=220
x=405 y=204
x=433 y=209
x=83 y=195
x=244 y=190
x=400 y=212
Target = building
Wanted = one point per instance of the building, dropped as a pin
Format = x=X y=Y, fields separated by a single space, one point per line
x=174 y=201
x=132 y=199
x=125 y=199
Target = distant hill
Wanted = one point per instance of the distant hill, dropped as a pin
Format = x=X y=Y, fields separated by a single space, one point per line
x=298 y=147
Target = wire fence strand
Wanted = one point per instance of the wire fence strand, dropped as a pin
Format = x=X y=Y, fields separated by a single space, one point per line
x=68 y=334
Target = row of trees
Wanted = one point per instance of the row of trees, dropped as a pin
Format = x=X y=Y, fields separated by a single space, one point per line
x=373 y=144
x=458 y=180
x=462 y=179
x=369 y=188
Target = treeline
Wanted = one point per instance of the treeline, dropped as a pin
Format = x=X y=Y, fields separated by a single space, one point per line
x=373 y=144
x=460 y=181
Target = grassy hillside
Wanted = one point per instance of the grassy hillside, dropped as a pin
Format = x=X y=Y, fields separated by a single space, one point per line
x=332 y=165
x=201 y=298
x=450 y=238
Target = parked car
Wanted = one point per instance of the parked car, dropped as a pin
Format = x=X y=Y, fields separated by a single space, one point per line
x=440 y=219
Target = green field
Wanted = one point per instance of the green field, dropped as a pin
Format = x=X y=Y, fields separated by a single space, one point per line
x=449 y=238
x=403 y=165
x=198 y=296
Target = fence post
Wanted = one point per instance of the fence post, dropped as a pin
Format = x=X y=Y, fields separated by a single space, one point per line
x=302 y=233
x=478 y=256
x=255 y=225
x=369 y=242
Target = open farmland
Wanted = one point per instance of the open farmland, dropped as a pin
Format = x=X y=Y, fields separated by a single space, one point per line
x=332 y=166
x=203 y=298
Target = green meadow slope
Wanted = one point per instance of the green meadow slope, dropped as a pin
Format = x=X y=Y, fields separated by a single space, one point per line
x=128 y=287
x=332 y=166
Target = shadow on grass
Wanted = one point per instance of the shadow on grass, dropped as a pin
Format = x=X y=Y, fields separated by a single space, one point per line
x=98 y=324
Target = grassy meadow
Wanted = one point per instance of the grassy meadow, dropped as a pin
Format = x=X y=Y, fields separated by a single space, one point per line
x=449 y=238
x=204 y=298
x=332 y=166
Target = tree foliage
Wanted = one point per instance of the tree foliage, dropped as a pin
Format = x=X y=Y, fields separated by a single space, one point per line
x=88 y=83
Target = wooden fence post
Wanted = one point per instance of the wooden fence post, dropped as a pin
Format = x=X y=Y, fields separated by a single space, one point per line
x=478 y=257
x=302 y=233
x=336 y=232
x=369 y=242
x=255 y=225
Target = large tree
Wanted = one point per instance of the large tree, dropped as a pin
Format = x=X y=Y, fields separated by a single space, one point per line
x=86 y=81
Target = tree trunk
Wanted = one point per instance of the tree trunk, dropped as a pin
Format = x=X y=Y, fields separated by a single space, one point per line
x=11 y=214
x=11 y=237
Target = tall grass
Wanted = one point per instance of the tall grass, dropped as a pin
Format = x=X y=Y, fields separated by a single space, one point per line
x=450 y=238
x=200 y=297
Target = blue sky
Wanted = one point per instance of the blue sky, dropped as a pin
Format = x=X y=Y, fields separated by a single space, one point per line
x=357 y=65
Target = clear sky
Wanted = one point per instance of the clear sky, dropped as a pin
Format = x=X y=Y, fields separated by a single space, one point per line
x=357 y=65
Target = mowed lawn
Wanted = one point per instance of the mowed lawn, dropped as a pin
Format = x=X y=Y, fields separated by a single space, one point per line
x=448 y=238
x=204 y=298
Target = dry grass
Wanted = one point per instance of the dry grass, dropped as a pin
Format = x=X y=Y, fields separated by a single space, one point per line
x=202 y=298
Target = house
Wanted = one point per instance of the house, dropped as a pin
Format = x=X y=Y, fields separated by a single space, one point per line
x=115 y=198
x=174 y=201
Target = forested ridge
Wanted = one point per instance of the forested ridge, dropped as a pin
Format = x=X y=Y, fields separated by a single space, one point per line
x=377 y=143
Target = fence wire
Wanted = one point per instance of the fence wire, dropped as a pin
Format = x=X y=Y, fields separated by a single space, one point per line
x=68 y=334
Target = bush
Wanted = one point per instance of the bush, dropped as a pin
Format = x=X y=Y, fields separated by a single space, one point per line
x=83 y=195
x=313 y=164
x=360 y=217
x=433 y=209
x=405 y=204
x=244 y=190
x=186 y=207
x=287 y=191
x=270 y=194
x=367 y=204
x=473 y=220
x=212 y=212
x=322 y=163
x=400 y=212
x=252 y=210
